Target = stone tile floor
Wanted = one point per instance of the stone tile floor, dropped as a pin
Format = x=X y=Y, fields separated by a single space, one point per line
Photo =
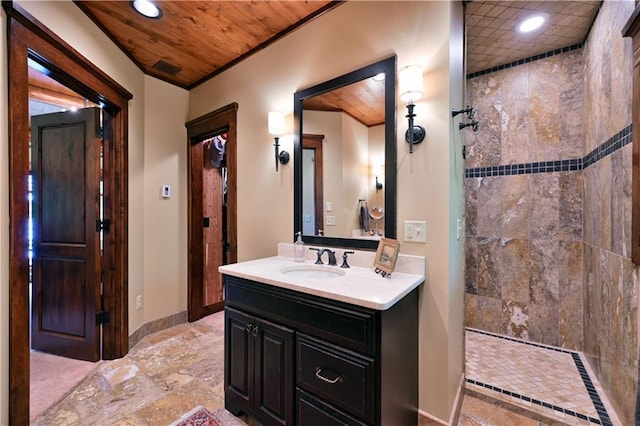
x=170 y=372
x=164 y=376
x=547 y=383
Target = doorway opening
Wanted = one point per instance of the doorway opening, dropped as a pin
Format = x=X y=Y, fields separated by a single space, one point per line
x=66 y=202
x=30 y=40
x=214 y=217
x=312 y=178
x=212 y=208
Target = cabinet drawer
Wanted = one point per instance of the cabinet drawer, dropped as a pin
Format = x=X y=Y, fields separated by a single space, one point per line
x=343 y=324
x=341 y=377
x=313 y=412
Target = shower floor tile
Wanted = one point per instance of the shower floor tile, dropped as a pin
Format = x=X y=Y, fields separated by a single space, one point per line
x=553 y=383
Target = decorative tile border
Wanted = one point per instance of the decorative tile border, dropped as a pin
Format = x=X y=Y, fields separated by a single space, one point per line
x=526 y=60
x=525 y=168
x=604 y=419
x=614 y=143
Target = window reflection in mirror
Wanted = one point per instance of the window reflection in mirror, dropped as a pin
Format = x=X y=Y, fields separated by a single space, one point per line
x=345 y=131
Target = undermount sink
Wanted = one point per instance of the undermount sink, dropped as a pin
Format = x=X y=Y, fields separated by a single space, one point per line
x=313 y=271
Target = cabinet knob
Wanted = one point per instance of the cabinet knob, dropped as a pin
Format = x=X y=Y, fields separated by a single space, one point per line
x=255 y=331
x=338 y=379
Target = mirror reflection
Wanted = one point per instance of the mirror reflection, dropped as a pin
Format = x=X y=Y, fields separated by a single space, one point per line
x=343 y=159
x=345 y=131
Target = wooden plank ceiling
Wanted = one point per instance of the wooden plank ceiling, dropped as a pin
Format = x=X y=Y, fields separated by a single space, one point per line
x=195 y=40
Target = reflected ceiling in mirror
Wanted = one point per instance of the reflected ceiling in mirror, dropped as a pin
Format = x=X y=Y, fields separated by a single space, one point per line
x=364 y=101
x=345 y=155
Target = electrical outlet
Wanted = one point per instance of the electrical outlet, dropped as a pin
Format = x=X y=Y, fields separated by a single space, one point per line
x=138 y=302
x=415 y=231
x=331 y=220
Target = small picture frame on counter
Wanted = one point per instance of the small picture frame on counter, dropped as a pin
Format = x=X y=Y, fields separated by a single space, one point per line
x=386 y=256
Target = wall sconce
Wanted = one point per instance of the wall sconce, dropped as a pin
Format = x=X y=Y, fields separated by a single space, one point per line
x=410 y=83
x=377 y=171
x=276 y=128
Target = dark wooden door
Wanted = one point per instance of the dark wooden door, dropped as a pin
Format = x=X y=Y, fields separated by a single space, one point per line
x=65 y=164
x=274 y=372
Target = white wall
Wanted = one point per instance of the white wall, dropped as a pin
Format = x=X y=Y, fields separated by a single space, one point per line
x=353 y=35
x=355 y=166
x=165 y=220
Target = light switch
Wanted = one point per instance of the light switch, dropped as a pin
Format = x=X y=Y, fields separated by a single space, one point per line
x=329 y=206
x=166 y=191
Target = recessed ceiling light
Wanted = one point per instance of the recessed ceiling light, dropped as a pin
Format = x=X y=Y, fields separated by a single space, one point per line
x=147 y=8
x=532 y=23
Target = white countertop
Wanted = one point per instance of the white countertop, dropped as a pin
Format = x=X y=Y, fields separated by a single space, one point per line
x=359 y=285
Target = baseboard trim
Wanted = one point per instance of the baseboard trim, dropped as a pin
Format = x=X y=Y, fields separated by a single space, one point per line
x=457 y=403
x=426 y=419
x=155 y=326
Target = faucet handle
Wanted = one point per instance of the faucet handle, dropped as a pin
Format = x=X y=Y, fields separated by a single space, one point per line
x=319 y=258
x=344 y=259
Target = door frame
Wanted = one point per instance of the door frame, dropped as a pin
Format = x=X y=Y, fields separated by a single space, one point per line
x=311 y=141
x=27 y=37
x=198 y=129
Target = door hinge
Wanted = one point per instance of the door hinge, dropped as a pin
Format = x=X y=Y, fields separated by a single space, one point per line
x=102 y=317
x=103 y=225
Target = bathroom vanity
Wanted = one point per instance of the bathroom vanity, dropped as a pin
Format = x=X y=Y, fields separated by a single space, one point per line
x=308 y=345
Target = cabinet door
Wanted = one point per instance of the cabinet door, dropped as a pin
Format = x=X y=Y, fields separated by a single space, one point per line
x=239 y=356
x=274 y=372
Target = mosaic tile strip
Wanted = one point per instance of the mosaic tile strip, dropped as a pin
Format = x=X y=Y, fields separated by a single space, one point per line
x=526 y=60
x=595 y=397
x=617 y=141
x=537 y=402
x=604 y=419
x=614 y=143
x=525 y=168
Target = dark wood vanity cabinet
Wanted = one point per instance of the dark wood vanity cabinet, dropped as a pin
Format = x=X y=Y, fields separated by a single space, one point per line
x=297 y=359
x=258 y=366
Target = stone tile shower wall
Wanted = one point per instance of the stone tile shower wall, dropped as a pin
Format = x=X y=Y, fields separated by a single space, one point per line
x=524 y=201
x=611 y=281
x=548 y=181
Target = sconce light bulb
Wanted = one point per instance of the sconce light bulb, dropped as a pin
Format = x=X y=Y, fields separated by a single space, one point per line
x=276 y=123
x=410 y=83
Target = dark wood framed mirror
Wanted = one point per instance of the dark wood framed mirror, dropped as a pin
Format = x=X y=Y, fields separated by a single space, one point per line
x=357 y=119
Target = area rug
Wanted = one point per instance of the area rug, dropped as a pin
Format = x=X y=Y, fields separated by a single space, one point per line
x=199 y=416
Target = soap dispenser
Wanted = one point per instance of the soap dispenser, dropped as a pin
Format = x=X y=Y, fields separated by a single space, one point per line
x=298 y=248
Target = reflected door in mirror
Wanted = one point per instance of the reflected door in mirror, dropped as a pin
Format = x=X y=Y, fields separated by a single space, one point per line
x=312 y=179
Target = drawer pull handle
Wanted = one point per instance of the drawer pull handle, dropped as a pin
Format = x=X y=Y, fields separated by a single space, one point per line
x=249 y=327
x=324 y=379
